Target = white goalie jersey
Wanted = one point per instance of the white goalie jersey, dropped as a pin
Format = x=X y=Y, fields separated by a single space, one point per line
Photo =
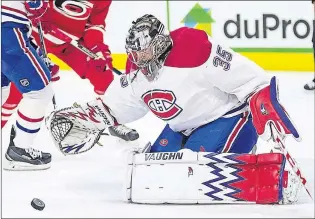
x=188 y=97
x=200 y=82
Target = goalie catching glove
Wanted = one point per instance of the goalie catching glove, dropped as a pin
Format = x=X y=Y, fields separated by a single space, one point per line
x=78 y=128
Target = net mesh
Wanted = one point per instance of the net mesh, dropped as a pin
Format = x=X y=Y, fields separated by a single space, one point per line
x=60 y=127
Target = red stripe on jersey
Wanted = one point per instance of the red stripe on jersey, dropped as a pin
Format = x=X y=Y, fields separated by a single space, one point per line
x=14 y=10
x=32 y=57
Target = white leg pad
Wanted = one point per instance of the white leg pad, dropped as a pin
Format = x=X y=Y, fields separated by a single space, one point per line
x=175 y=177
x=187 y=177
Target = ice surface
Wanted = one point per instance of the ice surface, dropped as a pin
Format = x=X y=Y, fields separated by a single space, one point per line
x=90 y=184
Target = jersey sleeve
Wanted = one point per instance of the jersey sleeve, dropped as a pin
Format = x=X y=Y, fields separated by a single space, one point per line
x=14 y=11
x=233 y=73
x=123 y=103
x=191 y=48
x=95 y=28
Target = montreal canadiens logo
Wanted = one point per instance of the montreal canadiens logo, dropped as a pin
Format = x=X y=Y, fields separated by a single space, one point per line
x=162 y=103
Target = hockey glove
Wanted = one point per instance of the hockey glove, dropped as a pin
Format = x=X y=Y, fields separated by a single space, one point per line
x=100 y=70
x=78 y=128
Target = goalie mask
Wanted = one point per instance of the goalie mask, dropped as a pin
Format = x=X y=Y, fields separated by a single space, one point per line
x=147 y=45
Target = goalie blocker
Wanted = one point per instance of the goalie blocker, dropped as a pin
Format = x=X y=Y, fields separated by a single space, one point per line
x=187 y=177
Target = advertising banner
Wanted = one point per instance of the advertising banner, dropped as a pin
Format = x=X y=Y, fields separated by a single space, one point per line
x=275 y=34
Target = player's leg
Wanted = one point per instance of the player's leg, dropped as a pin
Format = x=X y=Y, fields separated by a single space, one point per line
x=236 y=134
x=10 y=104
x=22 y=65
x=78 y=62
x=14 y=96
x=5 y=89
x=168 y=141
x=245 y=138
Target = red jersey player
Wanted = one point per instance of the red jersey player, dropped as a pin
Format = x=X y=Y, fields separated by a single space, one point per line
x=84 y=21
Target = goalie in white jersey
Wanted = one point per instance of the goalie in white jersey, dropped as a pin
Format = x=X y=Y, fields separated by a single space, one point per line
x=200 y=88
x=212 y=99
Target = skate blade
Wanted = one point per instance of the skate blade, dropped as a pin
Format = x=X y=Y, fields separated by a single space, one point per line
x=21 y=166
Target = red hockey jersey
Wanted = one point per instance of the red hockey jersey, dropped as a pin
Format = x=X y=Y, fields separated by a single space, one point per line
x=79 y=18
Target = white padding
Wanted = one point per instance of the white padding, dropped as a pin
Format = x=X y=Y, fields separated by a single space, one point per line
x=173 y=177
x=127 y=182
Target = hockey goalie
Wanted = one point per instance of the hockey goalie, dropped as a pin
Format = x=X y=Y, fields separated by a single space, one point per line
x=216 y=104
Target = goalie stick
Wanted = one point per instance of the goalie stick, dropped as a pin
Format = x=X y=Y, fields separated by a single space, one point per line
x=279 y=140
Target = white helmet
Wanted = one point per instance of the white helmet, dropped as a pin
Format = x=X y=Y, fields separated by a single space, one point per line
x=147 y=45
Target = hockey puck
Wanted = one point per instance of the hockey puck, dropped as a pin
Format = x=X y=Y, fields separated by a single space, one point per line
x=38 y=204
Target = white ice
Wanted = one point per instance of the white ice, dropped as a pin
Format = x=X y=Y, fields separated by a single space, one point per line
x=90 y=184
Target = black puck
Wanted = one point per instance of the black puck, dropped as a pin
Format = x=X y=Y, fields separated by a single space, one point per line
x=38 y=204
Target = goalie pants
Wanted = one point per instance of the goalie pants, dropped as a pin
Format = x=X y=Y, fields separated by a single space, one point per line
x=235 y=134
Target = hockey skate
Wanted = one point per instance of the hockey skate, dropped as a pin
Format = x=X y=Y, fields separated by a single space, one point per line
x=310 y=85
x=25 y=159
x=123 y=132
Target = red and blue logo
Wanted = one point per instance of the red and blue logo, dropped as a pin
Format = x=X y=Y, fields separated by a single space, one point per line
x=162 y=103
